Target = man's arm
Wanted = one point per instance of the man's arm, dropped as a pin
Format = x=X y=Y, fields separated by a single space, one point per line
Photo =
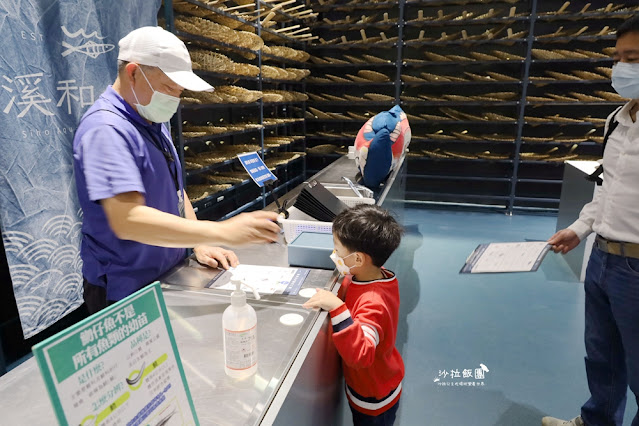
x=567 y=239
x=131 y=219
x=188 y=208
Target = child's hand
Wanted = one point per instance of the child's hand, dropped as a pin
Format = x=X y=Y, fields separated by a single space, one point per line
x=323 y=300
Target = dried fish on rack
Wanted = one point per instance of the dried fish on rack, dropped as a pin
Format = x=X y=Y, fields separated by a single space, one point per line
x=493 y=116
x=464 y=135
x=560 y=98
x=562 y=76
x=435 y=154
x=355 y=60
x=490 y=14
x=206 y=28
x=229 y=93
x=561 y=119
x=207 y=130
x=537 y=99
x=375 y=59
x=202 y=97
x=434 y=77
x=357 y=79
x=571 y=54
x=337 y=79
x=458 y=98
x=610 y=96
x=459 y=58
x=498 y=137
x=412 y=79
x=354 y=98
x=318 y=114
x=605 y=71
x=373 y=76
x=431 y=98
x=591 y=54
x=189 y=100
x=487 y=155
x=587 y=75
x=435 y=57
x=322 y=149
x=531 y=139
x=434 y=117
x=484 y=56
x=462 y=155
x=197 y=192
x=286 y=53
x=289 y=95
x=497 y=96
x=507 y=56
x=221 y=179
x=334 y=98
x=379 y=97
x=406 y=98
x=587 y=98
x=357 y=116
x=501 y=77
x=547 y=54
x=532 y=119
x=478 y=77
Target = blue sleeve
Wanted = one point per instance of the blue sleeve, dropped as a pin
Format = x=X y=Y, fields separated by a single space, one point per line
x=108 y=160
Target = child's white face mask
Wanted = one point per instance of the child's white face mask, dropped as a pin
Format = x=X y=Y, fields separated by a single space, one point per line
x=342 y=268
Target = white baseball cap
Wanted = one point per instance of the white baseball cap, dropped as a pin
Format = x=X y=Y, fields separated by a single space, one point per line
x=156 y=47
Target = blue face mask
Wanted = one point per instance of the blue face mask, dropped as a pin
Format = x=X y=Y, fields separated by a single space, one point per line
x=625 y=79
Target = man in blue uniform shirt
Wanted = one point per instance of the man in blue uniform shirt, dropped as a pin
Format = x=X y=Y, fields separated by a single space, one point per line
x=138 y=220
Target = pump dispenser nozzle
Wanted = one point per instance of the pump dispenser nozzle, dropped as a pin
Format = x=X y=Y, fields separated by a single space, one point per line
x=238 y=297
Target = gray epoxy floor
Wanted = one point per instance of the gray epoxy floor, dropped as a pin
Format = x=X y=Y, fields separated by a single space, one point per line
x=526 y=328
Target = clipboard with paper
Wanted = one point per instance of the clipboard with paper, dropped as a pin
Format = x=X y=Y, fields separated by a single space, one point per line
x=506 y=257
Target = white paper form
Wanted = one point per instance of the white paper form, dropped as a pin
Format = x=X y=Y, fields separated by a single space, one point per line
x=506 y=257
x=265 y=279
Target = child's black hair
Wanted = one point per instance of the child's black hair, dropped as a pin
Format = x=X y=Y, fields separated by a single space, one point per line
x=629 y=26
x=368 y=229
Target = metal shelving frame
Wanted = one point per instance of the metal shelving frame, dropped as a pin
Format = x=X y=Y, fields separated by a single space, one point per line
x=520 y=125
x=211 y=200
x=522 y=105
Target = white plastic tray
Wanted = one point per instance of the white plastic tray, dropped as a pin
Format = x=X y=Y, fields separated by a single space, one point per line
x=299 y=221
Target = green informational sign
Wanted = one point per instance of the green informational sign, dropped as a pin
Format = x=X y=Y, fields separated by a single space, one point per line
x=118 y=367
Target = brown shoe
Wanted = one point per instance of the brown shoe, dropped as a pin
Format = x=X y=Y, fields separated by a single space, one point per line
x=551 y=421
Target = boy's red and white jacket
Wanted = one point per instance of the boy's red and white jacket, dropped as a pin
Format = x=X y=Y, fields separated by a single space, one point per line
x=364 y=332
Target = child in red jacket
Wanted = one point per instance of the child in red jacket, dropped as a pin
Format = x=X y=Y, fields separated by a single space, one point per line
x=365 y=322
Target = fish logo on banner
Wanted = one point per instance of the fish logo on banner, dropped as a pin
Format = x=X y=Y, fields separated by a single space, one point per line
x=90 y=48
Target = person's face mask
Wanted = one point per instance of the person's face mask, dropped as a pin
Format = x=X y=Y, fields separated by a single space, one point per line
x=160 y=109
x=342 y=268
x=625 y=79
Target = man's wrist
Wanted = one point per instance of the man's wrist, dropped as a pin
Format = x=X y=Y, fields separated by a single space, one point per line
x=215 y=232
x=581 y=229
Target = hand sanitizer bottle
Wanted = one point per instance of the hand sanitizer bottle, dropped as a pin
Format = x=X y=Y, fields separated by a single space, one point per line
x=239 y=324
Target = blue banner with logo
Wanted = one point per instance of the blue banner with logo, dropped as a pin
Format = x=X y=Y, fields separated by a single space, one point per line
x=56 y=58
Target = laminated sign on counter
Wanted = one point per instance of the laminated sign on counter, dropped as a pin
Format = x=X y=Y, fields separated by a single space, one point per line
x=119 y=366
x=256 y=168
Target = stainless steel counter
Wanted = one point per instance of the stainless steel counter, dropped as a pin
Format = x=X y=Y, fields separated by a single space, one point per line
x=298 y=380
